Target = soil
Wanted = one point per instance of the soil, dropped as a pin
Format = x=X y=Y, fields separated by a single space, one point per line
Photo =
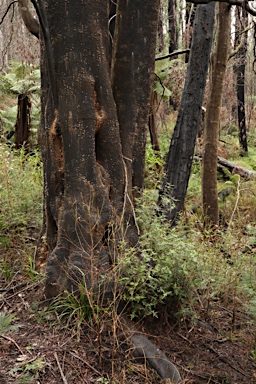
x=217 y=348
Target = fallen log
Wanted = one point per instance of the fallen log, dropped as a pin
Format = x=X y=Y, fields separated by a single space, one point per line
x=237 y=169
x=234 y=168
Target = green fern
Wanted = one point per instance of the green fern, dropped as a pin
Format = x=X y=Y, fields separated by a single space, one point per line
x=5 y=323
x=21 y=78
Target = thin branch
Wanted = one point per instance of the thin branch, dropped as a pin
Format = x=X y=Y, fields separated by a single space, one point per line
x=60 y=369
x=7 y=46
x=236 y=204
x=85 y=362
x=7 y=10
x=13 y=341
x=30 y=22
x=172 y=54
x=241 y=3
x=241 y=45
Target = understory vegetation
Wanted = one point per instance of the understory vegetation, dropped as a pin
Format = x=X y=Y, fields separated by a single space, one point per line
x=179 y=273
x=185 y=266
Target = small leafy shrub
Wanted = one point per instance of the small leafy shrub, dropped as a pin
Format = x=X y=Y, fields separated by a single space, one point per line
x=20 y=190
x=28 y=372
x=154 y=168
x=162 y=274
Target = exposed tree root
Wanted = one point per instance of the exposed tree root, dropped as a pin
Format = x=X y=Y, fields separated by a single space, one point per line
x=146 y=352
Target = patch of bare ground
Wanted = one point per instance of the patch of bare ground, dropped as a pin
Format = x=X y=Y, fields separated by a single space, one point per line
x=217 y=348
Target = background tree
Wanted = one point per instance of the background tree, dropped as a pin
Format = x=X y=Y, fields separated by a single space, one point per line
x=241 y=43
x=211 y=130
x=180 y=155
x=172 y=19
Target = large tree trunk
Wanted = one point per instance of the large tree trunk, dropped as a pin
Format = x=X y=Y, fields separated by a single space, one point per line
x=92 y=161
x=211 y=131
x=84 y=175
x=180 y=155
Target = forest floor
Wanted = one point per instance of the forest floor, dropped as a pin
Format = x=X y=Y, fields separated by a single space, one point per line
x=218 y=348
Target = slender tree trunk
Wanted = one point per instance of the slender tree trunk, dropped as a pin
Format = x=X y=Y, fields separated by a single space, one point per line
x=211 y=131
x=160 y=29
x=190 y=15
x=240 y=77
x=152 y=122
x=180 y=155
x=173 y=34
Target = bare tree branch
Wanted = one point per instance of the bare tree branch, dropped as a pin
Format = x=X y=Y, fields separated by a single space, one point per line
x=172 y=54
x=7 y=10
x=241 y=3
x=30 y=22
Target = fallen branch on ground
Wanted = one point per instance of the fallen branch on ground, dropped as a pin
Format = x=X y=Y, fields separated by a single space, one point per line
x=234 y=168
x=237 y=169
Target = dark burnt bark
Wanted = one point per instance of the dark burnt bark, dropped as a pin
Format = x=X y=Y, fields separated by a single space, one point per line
x=87 y=201
x=112 y=23
x=84 y=176
x=242 y=23
x=152 y=122
x=92 y=161
x=160 y=29
x=173 y=33
x=22 y=126
x=132 y=71
x=180 y=155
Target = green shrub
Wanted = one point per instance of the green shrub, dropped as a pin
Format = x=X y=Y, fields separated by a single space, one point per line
x=20 y=190
x=163 y=272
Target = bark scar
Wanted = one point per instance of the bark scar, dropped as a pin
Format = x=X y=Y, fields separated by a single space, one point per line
x=99 y=113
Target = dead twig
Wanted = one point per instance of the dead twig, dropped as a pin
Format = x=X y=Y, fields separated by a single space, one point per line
x=85 y=362
x=226 y=361
x=60 y=369
x=204 y=377
x=12 y=341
